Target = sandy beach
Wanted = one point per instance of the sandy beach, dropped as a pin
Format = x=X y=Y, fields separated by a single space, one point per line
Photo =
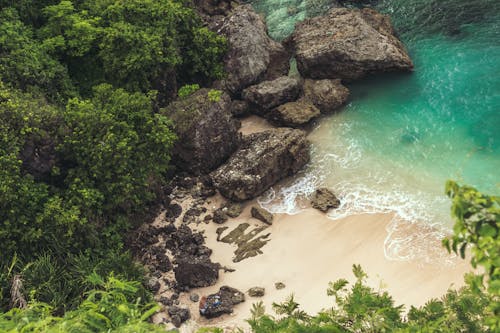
x=308 y=250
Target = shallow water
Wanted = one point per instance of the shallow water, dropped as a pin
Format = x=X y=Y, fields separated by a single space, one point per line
x=392 y=148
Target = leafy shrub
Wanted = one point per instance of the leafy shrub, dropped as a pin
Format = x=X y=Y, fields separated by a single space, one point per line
x=214 y=95
x=187 y=90
x=112 y=306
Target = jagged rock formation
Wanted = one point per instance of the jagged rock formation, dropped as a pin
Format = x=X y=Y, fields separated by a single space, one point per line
x=263 y=159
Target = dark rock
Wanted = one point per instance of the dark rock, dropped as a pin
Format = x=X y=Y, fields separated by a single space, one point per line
x=185 y=242
x=196 y=272
x=240 y=108
x=192 y=213
x=178 y=315
x=222 y=302
x=269 y=94
x=173 y=211
x=207 y=133
x=163 y=263
x=232 y=294
x=214 y=7
x=170 y=228
x=249 y=58
x=219 y=216
x=194 y=297
x=348 y=44
x=262 y=215
x=294 y=114
x=39 y=156
x=279 y=285
x=232 y=209
x=153 y=284
x=280 y=61
x=208 y=217
x=256 y=292
x=262 y=160
x=319 y=7
x=326 y=95
x=165 y=301
x=324 y=199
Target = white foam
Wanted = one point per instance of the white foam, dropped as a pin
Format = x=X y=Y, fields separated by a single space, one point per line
x=419 y=221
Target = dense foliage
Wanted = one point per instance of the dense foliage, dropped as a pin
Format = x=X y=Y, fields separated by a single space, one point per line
x=112 y=306
x=139 y=45
x=83 y=147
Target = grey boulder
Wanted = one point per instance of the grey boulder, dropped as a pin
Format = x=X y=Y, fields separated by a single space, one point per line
x=207 y=133
x=262 y=160
x=348 y=44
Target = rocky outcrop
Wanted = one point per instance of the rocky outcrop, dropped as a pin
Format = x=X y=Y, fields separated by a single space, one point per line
x=207 y=133
x=196 y=272
x=348 y=44
x=326 y=95
x=252 y=54
x=262 y=215
x=294 y=114
x=269 y=94
x=262 y=160
x=220 y=303
x=324 y=199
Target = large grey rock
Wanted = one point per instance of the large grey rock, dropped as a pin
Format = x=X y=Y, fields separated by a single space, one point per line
x=294 y=114
x=326 y=95
x=348 y=44
x=252 y=54
x=207 y=133
x=269 y=94
x=262 y=160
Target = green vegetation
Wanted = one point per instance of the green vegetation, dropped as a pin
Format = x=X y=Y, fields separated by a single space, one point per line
x=84 y=151
x=187 y=90
x=112 y=306
x=84 y=148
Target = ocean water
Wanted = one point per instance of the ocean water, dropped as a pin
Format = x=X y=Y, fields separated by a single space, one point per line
x=391 y=149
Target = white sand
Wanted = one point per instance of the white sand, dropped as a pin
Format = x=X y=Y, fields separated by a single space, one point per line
x=308 y=250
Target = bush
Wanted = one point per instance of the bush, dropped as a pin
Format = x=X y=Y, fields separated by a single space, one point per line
x=112 y=306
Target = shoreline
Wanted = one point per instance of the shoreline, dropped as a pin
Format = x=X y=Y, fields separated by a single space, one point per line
x=308 y=250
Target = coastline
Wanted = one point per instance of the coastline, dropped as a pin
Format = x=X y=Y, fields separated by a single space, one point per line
x=308 y=250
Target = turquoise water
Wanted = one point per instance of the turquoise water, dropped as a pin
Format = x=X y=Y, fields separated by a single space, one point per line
x=392 y=148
